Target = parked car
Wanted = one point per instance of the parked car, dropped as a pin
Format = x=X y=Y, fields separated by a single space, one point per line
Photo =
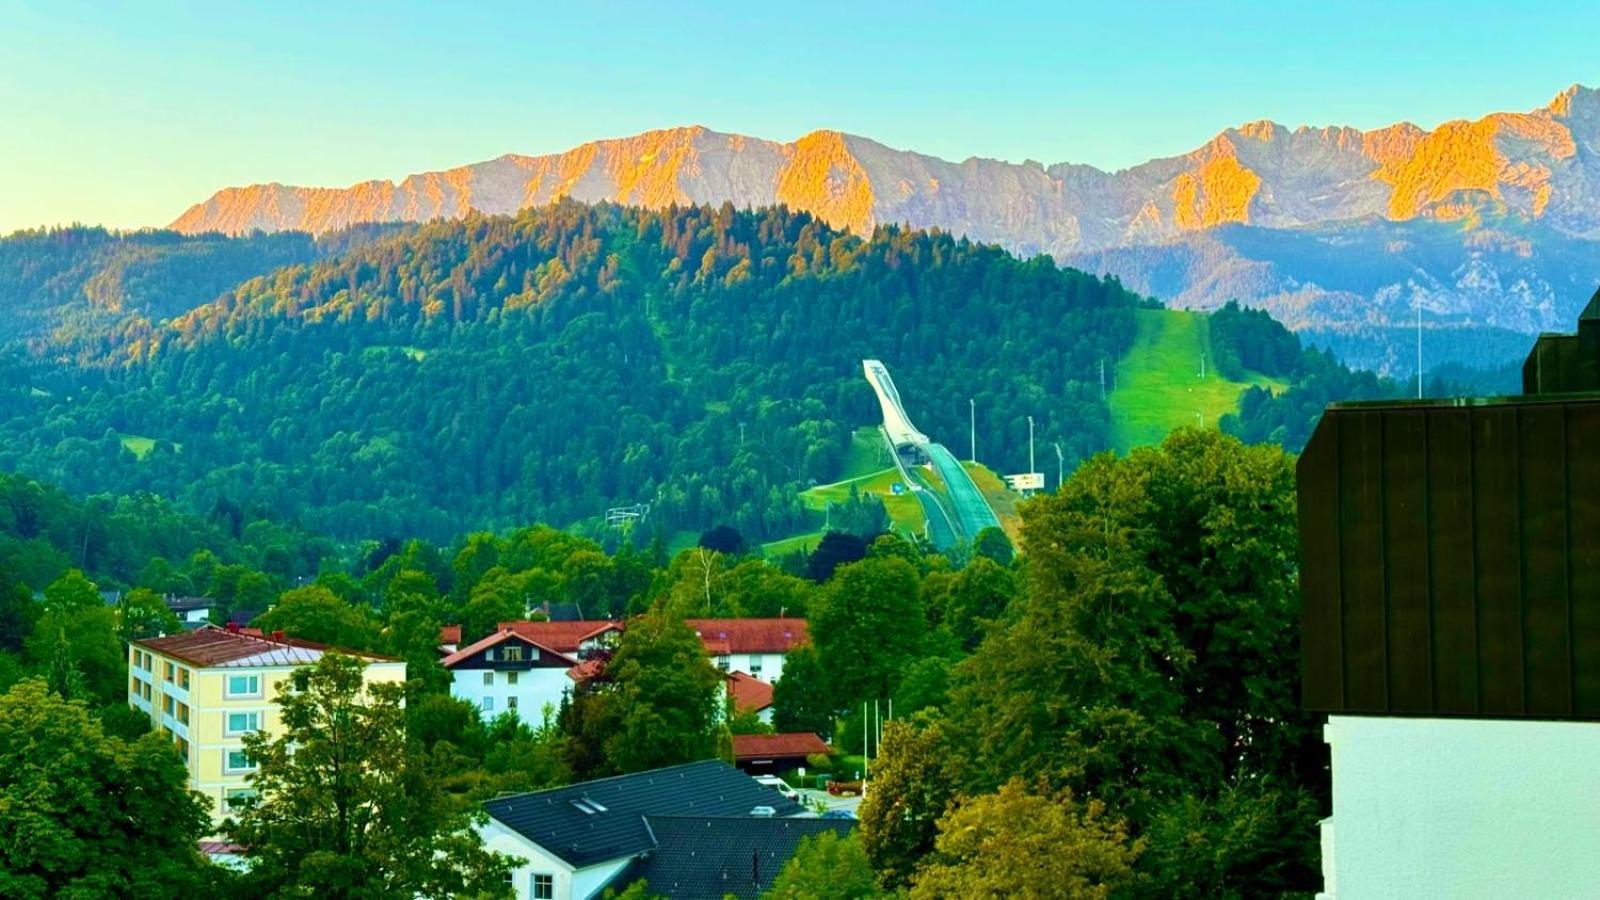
x=779 y=785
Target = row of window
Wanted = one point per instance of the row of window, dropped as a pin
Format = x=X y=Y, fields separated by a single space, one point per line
x=243 y=687
x=540 y=885
x=487 y=704
x=509 y=653
x=232 y=798
x=488 y=678
x=175 y=708
x=175 y=675
x=179 y=741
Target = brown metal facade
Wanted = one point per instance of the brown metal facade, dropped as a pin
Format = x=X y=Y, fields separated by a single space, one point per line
x=1450 y=559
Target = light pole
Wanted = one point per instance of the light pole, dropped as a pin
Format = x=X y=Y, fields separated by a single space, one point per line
x=972 y=410
x=1031 y=467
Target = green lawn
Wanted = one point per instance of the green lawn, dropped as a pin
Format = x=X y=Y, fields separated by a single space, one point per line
x=868 y=453
x=1002 y=499
x=800 y=543
x=140 y=446
x=905 y=513
x=1158 y=384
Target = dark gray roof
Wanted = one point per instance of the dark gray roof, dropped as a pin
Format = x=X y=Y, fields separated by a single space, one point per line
x=613 y=825
x=185 y=604
x=698 y=856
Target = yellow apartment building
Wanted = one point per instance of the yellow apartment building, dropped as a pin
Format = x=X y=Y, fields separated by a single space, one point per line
x=208 y=688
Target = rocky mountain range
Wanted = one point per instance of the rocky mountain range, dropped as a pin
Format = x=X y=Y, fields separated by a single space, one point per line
x=1301 y=221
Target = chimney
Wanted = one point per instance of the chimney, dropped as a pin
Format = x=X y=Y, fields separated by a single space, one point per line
x=278 y=636
x=232 y=627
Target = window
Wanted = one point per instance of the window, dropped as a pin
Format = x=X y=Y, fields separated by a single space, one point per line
x=183 y=678
x=513 y=654
x=544 y=887
x=488 y=678
x=511 y=678
x=144 y=690
x=755 y=666
x=183 y=713
x=166 y=673
x=488 y=704
x=236 y=761
x=244 y=685
x=243 y=722
x=511 y=703
x=722 y=663
x=233 y=799
x=183 y=750
x=167 y=704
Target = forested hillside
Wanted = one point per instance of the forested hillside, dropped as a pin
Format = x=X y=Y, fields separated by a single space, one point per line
x=550 y=365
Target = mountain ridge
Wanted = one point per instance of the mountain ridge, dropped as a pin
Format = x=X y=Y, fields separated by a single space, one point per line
x=1544 y=164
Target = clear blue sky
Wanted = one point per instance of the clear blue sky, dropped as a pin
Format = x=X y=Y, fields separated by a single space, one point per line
x=125 y=113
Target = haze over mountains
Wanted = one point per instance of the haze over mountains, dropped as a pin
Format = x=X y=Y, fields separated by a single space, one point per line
x=1490 y=213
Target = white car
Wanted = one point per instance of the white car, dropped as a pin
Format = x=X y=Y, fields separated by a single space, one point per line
x=779 y=785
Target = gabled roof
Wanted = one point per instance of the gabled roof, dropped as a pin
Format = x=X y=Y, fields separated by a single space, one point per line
x=725 y=636
x=213 y=647
x=563 y=637
x=768 y=746
x=701 y=856
x=750 y=694
x=595 y=821
x=186 y=604
x=500 y=637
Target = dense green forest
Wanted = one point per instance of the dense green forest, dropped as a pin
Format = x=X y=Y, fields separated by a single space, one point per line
x=550 y=365
x=1122 y=693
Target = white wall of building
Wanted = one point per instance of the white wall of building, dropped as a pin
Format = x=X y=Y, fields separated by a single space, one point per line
x=766 y=666
x=1463 y=808
x=534 y=689
x=531 y=858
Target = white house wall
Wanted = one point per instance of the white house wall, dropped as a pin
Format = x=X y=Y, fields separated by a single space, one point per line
x=535 y=688
x=767 y=667
x=1462 y=808
x=532 y=859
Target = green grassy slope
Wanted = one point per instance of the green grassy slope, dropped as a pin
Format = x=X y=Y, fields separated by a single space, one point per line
x=869 y=469
x=1158 y=385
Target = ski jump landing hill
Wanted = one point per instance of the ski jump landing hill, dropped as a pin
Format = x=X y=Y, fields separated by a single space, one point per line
x=958 y=511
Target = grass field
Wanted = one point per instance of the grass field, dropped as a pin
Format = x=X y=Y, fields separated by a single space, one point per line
x=1002 y=499
x=868 y=453
x=905 y=513
x=140 y=446
x=1158 y=384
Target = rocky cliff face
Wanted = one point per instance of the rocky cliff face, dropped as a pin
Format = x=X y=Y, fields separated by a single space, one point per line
x=1541 y=164
x=1488 y=224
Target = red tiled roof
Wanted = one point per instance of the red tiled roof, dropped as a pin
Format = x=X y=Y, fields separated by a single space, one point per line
x=750 y=694
x=212 y=848
x=450 y=634
x=497 y=638
x=586 y=670
x=563 y=637
x=767 y=746
x=724 y=636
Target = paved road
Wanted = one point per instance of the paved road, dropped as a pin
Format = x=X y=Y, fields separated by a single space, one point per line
x=850 y=804
x=972 y=511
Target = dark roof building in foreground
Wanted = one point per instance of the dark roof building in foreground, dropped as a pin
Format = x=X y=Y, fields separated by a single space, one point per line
x=699 y=856
x=576 y=840
x=1450 y=593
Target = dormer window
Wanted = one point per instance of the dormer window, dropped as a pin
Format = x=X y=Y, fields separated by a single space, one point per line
x=588 y=807
x=513 y=654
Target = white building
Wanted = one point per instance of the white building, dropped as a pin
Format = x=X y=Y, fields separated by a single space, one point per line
x=507 y=671
x=1450 y=629
x=756 y=647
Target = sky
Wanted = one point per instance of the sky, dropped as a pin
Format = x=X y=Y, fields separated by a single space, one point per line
x=124 y=114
